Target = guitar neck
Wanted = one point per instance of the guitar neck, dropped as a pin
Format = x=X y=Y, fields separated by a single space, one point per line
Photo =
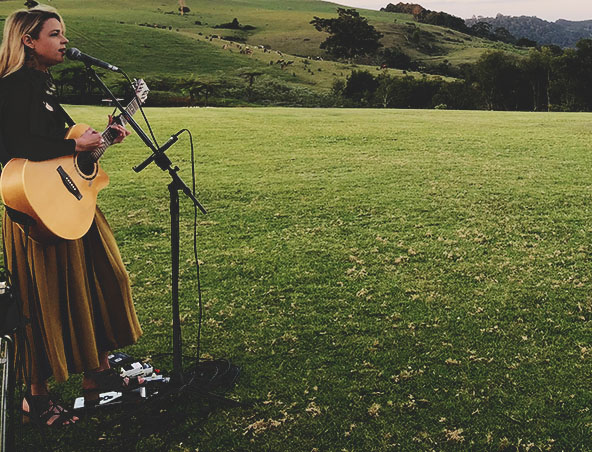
x=109 y=135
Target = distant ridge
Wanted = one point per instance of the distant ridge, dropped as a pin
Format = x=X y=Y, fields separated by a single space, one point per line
x=563 y=33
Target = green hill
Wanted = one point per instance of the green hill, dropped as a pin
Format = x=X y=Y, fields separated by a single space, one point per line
x=152 y=39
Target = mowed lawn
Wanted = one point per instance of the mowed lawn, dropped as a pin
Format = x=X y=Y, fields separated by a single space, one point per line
x=387 y=280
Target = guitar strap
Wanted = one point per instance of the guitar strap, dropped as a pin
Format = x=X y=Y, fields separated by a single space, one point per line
x=66 y=116
x=4 y=157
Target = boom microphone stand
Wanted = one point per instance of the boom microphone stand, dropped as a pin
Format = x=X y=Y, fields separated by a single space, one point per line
x=178 y=379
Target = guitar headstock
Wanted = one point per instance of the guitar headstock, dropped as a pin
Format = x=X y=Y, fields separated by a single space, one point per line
x=141 y=90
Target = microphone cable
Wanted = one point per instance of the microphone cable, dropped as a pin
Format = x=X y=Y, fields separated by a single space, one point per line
x=141 y=109
x=195 y=213
x=195 y=255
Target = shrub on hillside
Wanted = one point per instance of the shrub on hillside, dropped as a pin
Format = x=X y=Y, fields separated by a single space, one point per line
x=235 y=25
x=395 y=58
x=360 y=87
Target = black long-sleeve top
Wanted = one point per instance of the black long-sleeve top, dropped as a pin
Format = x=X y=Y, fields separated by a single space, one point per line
x=32 y=124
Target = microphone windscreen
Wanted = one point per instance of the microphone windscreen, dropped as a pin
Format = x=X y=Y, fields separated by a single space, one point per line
x=73 y=53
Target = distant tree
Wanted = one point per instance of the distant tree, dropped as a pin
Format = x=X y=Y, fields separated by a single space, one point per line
x=458 y=95
x=567 y=87
x=73 y=79
x=338 y=87
x=525 y=42
x=196 y=88
x=385 y=91
x=538 y=69
x=234 y=25
x=250 y=76
x=395 y=58
x=350 y=35
x=572 y=71
x=498 y=77
x=360 y=86
x=503 y=35
x=555 y=50
x=442 y=19
x=481 y=30
x=405 y=8
x=31 y=4
x=584 y=55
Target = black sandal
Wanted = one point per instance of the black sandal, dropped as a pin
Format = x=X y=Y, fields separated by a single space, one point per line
x=42 y=409
x=110 y=380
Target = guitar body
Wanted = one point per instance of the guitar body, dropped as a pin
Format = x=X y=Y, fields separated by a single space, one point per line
x=59 y=194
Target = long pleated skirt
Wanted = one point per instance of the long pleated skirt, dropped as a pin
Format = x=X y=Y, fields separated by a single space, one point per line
x=76 y=295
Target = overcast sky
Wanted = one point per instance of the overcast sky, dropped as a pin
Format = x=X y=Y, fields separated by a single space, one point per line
x=545 y=9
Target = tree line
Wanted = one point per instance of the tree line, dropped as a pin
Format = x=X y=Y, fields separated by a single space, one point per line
x=548 y=79
x=480 y=29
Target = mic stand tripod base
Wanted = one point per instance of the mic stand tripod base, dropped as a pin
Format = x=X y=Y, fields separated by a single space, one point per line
x=207 y=377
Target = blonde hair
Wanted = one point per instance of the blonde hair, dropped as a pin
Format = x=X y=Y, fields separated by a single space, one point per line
x=13 y=52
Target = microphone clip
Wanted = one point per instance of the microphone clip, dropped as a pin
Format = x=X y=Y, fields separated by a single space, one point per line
x=159 y=157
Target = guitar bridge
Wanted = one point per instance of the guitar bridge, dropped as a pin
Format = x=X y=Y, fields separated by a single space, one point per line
x=69 y=183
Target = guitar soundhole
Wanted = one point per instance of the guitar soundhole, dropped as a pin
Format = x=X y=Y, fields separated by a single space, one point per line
x=85 y=164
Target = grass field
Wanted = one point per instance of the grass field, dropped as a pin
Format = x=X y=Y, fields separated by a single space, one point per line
x=387 y=280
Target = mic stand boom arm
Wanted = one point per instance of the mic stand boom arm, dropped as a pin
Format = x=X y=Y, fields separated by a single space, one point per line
x=160 y=158
x=158 y=155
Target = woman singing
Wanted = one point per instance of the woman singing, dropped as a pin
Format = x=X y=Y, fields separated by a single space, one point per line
x=75 y=293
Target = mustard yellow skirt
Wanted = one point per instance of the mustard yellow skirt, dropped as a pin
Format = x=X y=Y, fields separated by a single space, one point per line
x=77 y=297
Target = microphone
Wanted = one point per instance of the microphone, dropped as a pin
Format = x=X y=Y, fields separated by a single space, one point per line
x=74 y=54
x=159 y=156
x=172 y=140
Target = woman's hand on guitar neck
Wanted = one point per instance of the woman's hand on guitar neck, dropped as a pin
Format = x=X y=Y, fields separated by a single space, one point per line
x=88 y=141
x=122 y=132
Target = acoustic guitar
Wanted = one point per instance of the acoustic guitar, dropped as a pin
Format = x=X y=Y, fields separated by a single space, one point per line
x=60 y=194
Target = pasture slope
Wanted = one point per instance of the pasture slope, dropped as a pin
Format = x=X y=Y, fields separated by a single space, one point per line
x=150 y=38
x=388 y=280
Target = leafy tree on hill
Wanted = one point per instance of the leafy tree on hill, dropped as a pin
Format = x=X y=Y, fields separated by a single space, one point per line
x=234 y=25
x=360 y=86
x=525 y=42
x=395 y=58
x=350 y=35
x=481 y=30
x=442 y=19
x=503 y=35
x=404 y=8
x=426 y=16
